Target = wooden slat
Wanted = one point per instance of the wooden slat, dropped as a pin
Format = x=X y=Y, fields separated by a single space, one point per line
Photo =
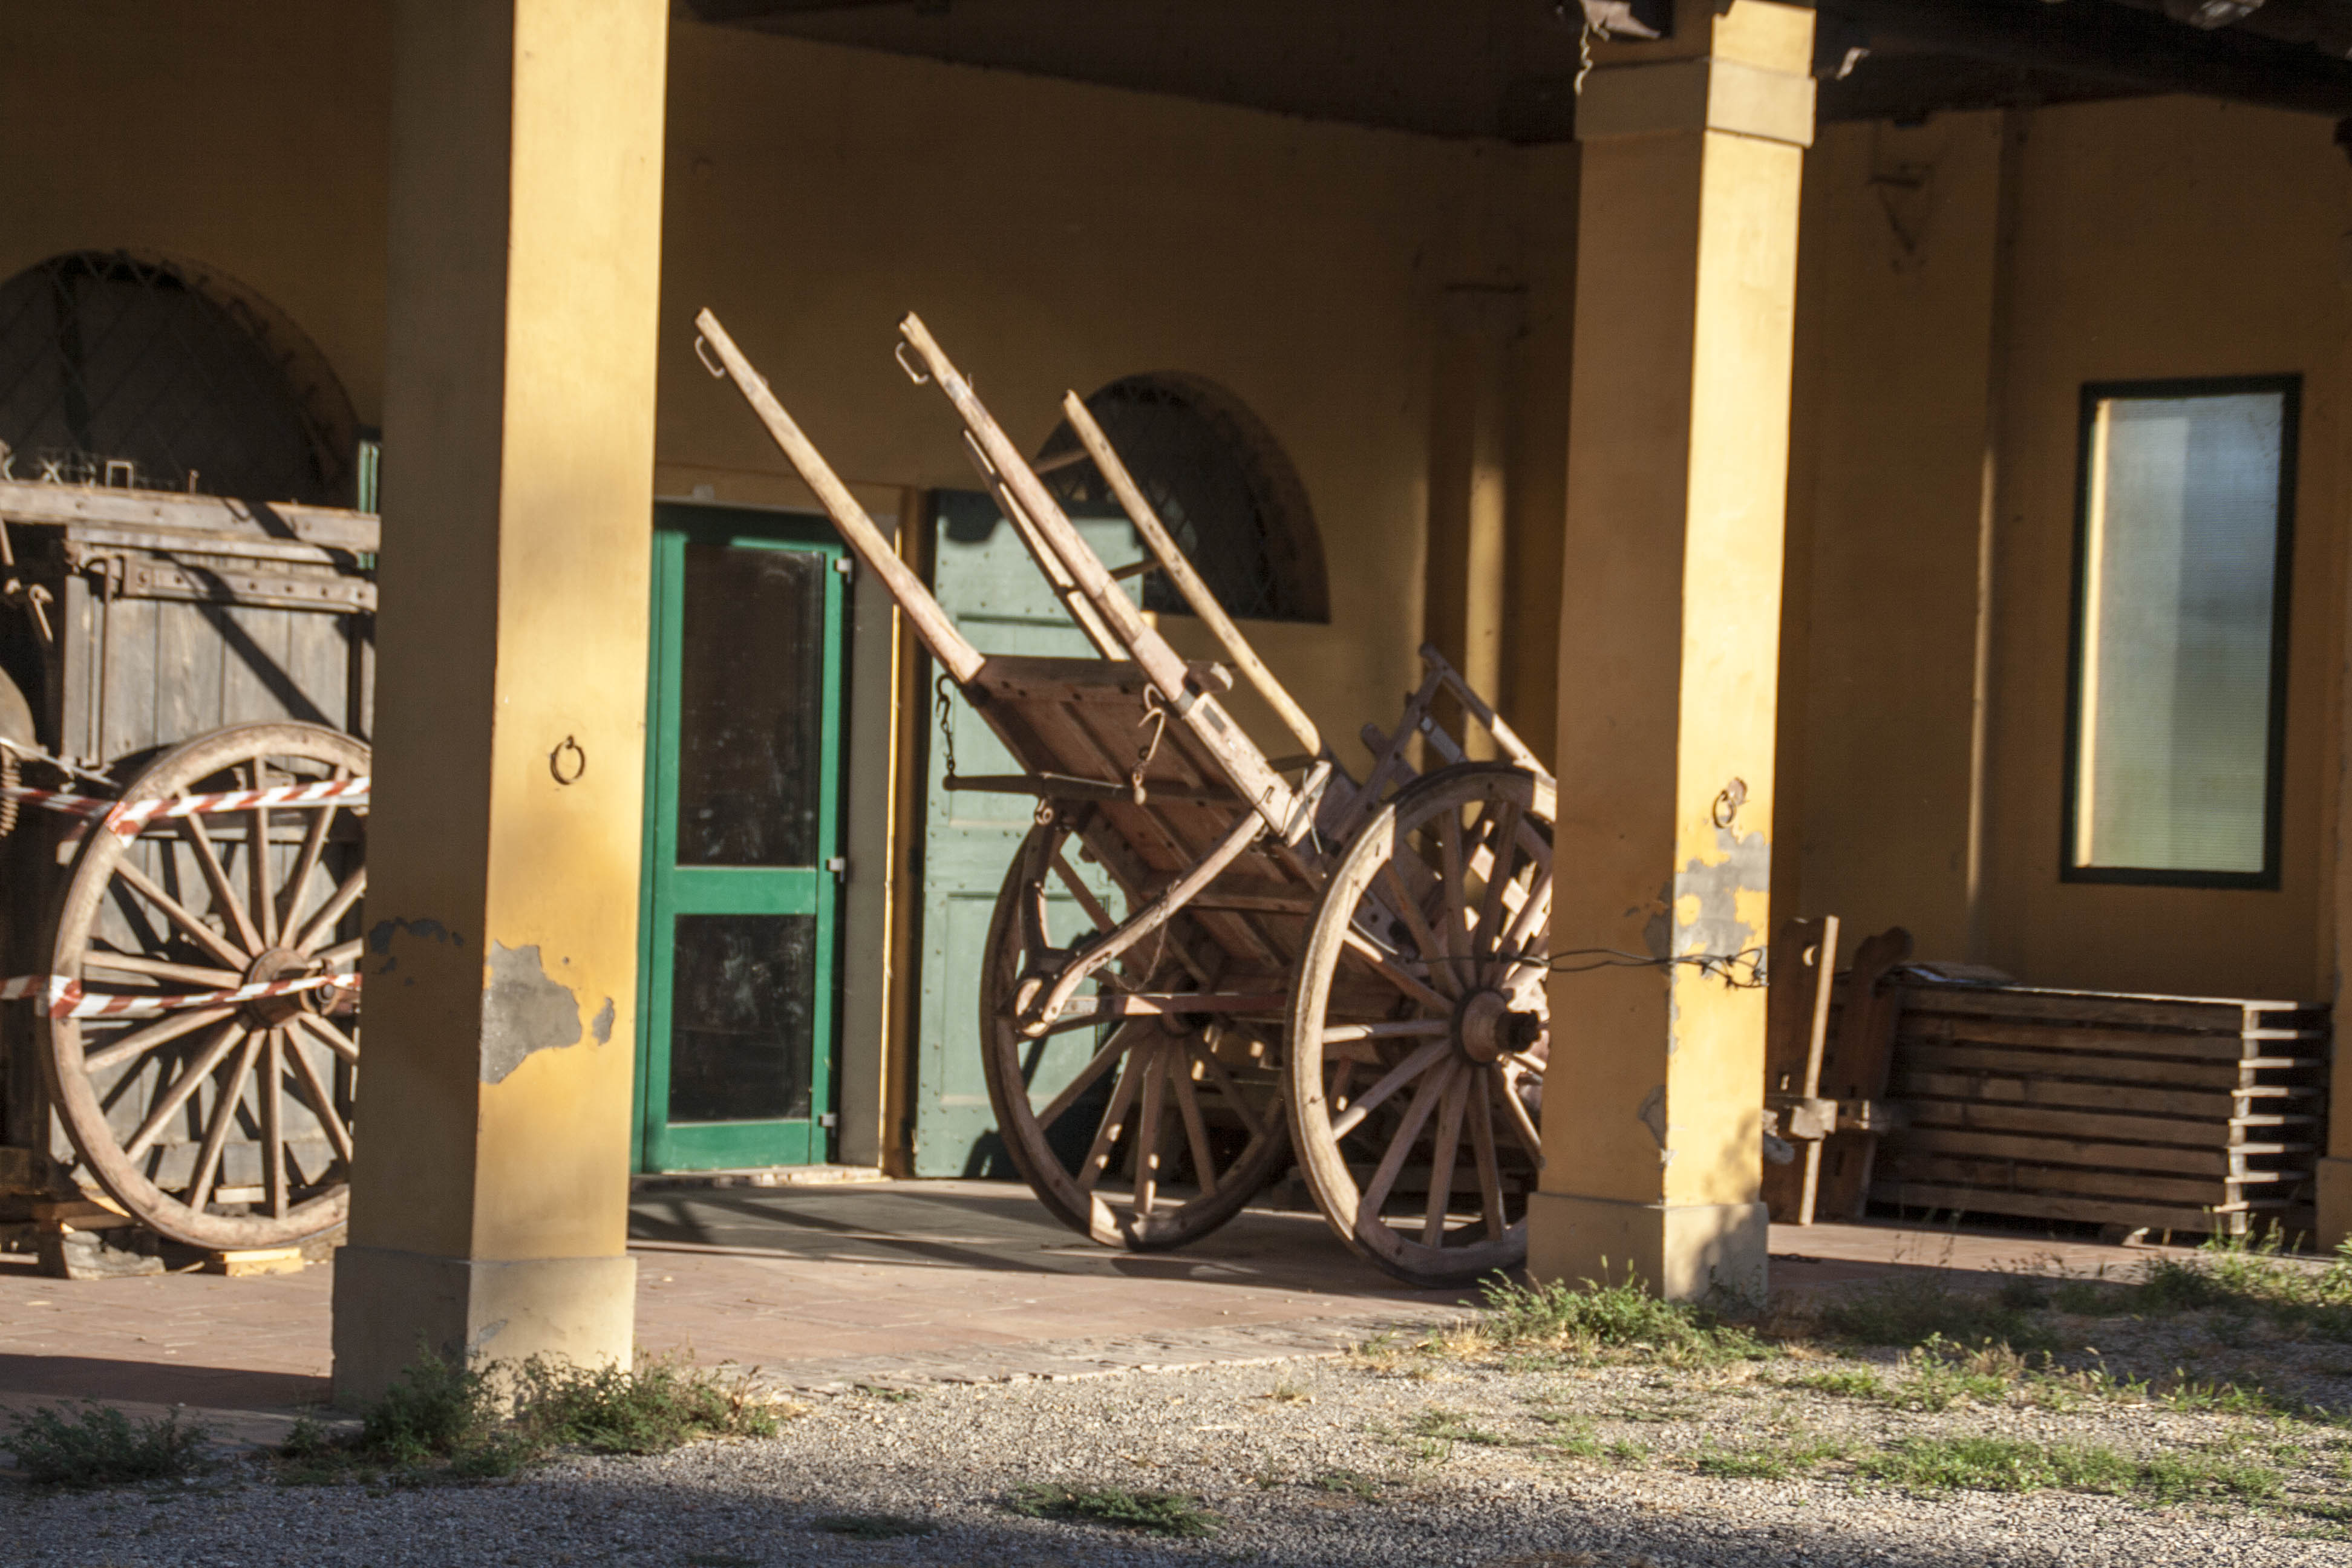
x=2178 y=1131
x=2011 y=1177
x=2204 y=1161
x=2047 y=1206
x=23 y=501
x=2203 y=1014
x=2211 y=1106
x=1924 y=1028
x=1856 y=1067
x=2171 y=1071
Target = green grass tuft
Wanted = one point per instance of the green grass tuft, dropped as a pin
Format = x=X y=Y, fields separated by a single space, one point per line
x=100 y=1447
x=1596 y=1322
x=1154 y=1513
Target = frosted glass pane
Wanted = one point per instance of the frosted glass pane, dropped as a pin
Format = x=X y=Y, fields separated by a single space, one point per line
x=2181 y=558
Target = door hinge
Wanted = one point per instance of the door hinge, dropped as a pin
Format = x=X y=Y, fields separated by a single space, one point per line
x=839 y=867
x=846 y=565
x=829 y=1120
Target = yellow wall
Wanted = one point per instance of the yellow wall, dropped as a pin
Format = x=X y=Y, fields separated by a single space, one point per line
x=2153 y=239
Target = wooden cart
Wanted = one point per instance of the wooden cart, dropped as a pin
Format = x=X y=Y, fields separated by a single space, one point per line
x=1257 y=956
x=185 y=811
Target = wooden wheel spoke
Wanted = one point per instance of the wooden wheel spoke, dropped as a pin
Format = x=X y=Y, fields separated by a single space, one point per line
x=1060 y=1104
x=1387 y=969
x=1534 y=914
x=1424 y=1100
x=1418 y=1062
x=226 y=900
x=1408 y=909
x=323 y=924
x=1443 y=1149
x=1500 y=874
x=1482 y=1146
x=322 y=1101
x=168 y=1104
x=333 y=1038
x=158 y=968
x=1196 y=1126
x=1149 y=1120
x=1343 y=1033
x=140 y=1041
x=1235 y=1100
x=212 y=941
x=1122 y=1096
x=263 y=899
x=305 y=862
x=273 y=1122
x=1506 y=1087
x=1083 y=894
x=224 y=1109
x=342 y=951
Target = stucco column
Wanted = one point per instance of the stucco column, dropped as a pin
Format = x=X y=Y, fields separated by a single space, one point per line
x=490 y=1194
x=1677 y=475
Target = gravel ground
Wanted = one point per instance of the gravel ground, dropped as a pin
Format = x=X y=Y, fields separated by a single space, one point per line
x=1389 y=1459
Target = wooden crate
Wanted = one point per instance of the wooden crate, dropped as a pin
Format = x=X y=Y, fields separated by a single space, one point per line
x=2184 y=1113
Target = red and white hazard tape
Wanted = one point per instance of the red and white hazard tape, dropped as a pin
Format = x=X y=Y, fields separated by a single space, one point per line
x=63 y=998
x=127 y=818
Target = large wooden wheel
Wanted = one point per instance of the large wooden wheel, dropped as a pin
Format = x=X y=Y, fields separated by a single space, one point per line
x=1148 y=1139
x=1419 y=1028
x=224 y=1126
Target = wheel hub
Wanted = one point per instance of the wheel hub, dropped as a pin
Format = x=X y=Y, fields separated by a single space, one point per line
x=1487 y=1027
x=276 y=964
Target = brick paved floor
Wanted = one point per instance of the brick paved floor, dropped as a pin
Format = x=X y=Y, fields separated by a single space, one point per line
x=880 y=1282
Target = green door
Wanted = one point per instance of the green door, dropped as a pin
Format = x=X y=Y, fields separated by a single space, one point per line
x=742 y=821
x=987 y=582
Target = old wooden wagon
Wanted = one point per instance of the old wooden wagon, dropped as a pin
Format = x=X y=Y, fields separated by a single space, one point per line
x=183 y=751
x=1203 y=958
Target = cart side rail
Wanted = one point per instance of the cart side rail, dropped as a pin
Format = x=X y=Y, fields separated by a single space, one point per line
x=932 y=624
x=1237 y=755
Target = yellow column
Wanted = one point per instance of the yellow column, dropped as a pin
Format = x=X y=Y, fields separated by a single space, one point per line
x=490 y=1194
x=1677 y=476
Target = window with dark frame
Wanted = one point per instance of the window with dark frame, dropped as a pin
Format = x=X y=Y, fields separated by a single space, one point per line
x=2177 y=701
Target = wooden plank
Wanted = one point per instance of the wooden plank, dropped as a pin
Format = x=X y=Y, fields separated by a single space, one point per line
x=2017 y=1176
x=1188 y=582
x=1856 y=1065
x=1955 y=1029
x=2178 y=1131
x=2209 y=1105
x=2199 y=1014
x=2169 y=1071
x=2212 y=1162
x=23 y=500
x=2045 y=1205
x=1790 y=993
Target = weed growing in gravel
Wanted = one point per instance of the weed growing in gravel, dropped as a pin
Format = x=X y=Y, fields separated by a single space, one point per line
x=1288 y=1393
x=887 y=1394
x=1845 y=1383
x=101 y=1446
x=1454 y=1427
x=1155 y=1513
x=650 y=1409
x=1911 y=1310
x=871 y=1526
x=1768 y=1461
x=444 y=1421
x=1599 y=1322
x=2013 y=1465
x=1349 y=1483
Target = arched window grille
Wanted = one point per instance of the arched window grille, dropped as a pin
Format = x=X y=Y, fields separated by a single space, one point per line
x=1221 y=485
x=141 y=371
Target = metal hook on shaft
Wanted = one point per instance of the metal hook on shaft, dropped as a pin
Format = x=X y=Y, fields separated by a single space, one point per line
x=702 y=353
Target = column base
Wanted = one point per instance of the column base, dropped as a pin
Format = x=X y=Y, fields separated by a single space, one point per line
x=391 y=1307
x=1683 y=1251
x=2334 y=1203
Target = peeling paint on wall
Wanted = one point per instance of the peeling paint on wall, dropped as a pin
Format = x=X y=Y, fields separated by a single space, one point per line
x=1706 y=895
x=380 y=935
x=525 y=1010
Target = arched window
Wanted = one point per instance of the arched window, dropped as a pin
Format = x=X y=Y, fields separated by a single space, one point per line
x=123 y=369
x=1219 y=483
